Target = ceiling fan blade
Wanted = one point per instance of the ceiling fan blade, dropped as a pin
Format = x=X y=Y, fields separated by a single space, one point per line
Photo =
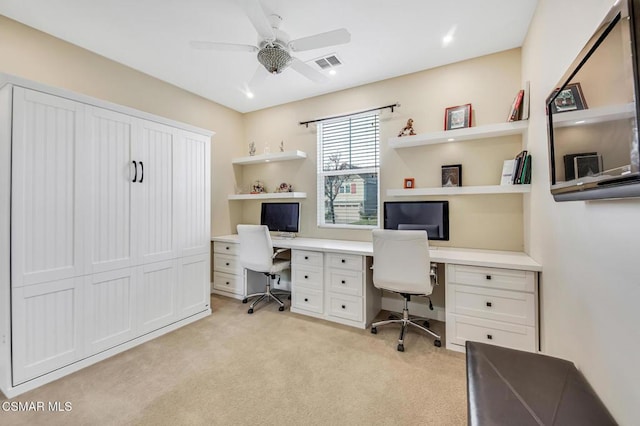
x=258 y=77
x=259 y=19
x=227 y=47
x=308 y=72
x=330 y=38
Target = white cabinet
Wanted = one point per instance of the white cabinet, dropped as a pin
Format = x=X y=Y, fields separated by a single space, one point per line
x=491 y=305
x=109 y=231
x=228 y=278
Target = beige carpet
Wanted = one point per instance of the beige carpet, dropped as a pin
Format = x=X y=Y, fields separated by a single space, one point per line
x=267 y=368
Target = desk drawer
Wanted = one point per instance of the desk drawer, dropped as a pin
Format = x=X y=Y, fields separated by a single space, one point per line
x=306 y=258
x=307 y=277
x=344 y=261
x=307 y=299
x=228 y=282
x=347 y=307
x=461 y=328
x=344 y=281
x=514 y=307
x=228 y=248
x=506 y=279
x=226 y=263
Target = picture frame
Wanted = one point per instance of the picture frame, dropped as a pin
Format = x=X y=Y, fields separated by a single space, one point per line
x=409 y=183
x=570 y=98
x=457 y=117
x=452 y=175
x=587 y=165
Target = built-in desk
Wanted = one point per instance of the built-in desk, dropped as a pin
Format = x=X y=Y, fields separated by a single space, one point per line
x=491 y=296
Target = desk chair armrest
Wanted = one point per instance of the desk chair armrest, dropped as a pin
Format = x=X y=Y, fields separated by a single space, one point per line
x=278 y=251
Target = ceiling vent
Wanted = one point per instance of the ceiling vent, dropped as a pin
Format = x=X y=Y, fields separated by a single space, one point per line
x=328 y=62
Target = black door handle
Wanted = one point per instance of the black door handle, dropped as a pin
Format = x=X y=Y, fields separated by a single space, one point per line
x=135 y=168
x=142 y=170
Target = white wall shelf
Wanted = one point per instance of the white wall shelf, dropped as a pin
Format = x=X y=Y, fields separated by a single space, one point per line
x=469 y=133
x=268 y=196
x=460 y=190
x=271 y=157
x=594 y=115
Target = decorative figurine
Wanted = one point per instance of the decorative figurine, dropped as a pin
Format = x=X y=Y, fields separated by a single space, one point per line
x=285 y=187
x=408 y=129
x=252 y=148
x=257 y=187
x=281 y=146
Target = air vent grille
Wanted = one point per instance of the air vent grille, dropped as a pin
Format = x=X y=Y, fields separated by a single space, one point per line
x=328 y=62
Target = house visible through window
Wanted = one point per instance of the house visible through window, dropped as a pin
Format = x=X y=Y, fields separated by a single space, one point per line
x=348 y=170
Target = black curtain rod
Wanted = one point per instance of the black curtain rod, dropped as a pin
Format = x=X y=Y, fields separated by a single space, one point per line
x=392 y=106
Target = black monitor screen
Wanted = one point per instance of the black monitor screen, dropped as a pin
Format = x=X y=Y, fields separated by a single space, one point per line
x=431 y=216
x=281 y=217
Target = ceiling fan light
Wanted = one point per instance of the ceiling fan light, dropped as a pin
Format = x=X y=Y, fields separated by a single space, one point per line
x=274 y=59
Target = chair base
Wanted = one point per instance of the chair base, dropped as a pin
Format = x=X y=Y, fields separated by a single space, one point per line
x=405 y=321
x=267 y=295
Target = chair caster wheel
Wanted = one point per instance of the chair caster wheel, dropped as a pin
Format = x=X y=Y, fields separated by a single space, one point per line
x=374 y=330
x=426 y=324
x=400 y=347
x=437 y=343
x=244 y=300
x=250 y=311
x=281 y=308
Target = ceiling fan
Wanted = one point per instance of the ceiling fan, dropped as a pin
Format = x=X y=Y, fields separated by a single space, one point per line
x=274 y=46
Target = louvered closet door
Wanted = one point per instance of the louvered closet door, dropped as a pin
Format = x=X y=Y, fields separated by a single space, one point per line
x=193 y=193
x=156 y=215
x=111 y=235
x=47 y=188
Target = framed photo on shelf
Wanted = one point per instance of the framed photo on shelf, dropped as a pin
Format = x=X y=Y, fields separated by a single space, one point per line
x=409 y=183
x=452 y=175
x=457 y=117
x=570 y=98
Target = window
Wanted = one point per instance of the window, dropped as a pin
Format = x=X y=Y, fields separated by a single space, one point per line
x=348 y=170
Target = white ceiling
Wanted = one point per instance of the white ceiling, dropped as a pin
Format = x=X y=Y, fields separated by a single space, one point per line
x=388 y=38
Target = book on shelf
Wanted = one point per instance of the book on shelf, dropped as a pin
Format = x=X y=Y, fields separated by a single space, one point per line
x=517 y=166
x=525 y=102
x=516 y=107
x=507 y=172
x=526 y=166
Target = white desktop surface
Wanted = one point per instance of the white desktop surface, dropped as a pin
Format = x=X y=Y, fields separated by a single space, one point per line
x=459 y=256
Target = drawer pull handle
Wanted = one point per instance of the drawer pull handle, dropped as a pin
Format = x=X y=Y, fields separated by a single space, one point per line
x=488 y=304
x=227 y=282
x=227 y=263
x=344 y=282
x=306 y=258
x=344 y=307
x=306 y=277
x=306 y=300
x=226 y=248
x=488 y=277
x=343 y=261
x=490 y=337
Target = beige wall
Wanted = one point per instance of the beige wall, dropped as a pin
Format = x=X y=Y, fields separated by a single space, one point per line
x=590 y=288
x=489 y=83
x=34 y=55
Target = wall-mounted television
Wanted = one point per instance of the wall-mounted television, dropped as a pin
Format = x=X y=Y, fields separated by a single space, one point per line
x=593 y=114
x=281 y=217
x=430 y=216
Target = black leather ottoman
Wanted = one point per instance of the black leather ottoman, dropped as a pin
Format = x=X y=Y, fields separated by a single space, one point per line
x=511 y=387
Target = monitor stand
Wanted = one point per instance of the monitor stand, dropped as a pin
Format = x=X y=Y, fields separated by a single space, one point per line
x=283 y=235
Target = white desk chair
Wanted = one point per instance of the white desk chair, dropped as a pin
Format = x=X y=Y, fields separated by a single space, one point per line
x=256 y=254
x=401 y=264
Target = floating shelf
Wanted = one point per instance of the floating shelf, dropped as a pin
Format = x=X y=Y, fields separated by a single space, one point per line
x=267 y=158
x=594 y=115
x=268 y=196
x=469 y=133
x=460 y=190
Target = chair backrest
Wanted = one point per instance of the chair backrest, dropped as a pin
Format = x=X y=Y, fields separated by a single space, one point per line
x=401 y=261
x=256 y=247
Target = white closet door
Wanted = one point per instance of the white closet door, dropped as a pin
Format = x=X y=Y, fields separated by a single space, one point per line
x=47 y=188
x=47 y=327
x=193 y=285
x=156 y=216
x=156 y=296
x=193 y=192
x=109 y=299
x=111 y=235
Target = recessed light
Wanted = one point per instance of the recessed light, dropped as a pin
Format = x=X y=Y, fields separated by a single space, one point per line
x=250 y=95
x=580 y=122
x=450 y=140
x=332 y=72
x=448 y=38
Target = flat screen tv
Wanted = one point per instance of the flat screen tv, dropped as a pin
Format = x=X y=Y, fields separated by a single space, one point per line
x=281 y=217
x=593 y=114
x=431 y=216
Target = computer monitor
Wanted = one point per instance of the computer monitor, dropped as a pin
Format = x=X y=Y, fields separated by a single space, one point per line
x=281 y=217
x=431 y=216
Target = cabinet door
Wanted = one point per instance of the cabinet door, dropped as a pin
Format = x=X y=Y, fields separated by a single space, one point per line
x=156 y=215
x=193 y=192
x=109 y=308
x=193 y=285
x=47 y=188
x=110 y=235
x=156 y=296
x=47 y=327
